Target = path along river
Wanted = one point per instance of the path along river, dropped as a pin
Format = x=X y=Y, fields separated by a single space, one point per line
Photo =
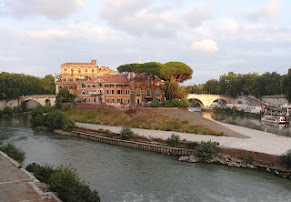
x=123 y=174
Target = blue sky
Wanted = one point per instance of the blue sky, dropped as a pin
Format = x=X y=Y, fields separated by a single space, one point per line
x=212 y=36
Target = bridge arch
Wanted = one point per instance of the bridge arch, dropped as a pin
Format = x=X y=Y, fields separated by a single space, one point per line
x=31 y=103
x=48 y=103
x=208 y=99
x=194 y=101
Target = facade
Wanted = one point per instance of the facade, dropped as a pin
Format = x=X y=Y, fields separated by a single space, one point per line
x=100 y=85
x=71 y=73
x=121 y=89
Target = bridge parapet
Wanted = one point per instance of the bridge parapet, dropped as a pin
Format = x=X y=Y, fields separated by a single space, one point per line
x=207 y=99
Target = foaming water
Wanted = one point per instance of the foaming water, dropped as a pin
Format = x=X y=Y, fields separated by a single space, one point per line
x=123 y=174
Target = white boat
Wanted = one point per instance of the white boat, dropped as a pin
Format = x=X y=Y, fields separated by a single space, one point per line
x=274 y=119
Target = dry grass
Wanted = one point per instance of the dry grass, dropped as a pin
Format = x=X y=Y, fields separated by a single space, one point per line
x=140 y=119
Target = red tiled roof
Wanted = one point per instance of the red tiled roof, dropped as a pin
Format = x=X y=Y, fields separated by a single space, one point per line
x=119 y=78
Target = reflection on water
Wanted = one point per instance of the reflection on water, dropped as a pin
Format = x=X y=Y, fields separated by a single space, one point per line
x=250 y=121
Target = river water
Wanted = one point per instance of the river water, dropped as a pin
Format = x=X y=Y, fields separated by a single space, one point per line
x=246 y=120
x=124 y=174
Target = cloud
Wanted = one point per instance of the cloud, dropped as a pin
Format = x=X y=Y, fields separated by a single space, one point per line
x=48 y=8
x=270 y=11
x=197 y=14
x=50 y=34
x=205 y=46
x=138 y=17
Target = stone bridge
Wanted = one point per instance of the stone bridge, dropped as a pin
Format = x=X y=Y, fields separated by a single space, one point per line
x=205 y=100
x=31 y=101
x=34 y=100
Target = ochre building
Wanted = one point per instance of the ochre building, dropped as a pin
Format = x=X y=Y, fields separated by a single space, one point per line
x=100 y=85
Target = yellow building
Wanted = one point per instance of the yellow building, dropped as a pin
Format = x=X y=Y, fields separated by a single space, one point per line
x=72 y=73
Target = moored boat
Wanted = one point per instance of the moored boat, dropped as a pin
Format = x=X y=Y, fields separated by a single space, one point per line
x=275 y=119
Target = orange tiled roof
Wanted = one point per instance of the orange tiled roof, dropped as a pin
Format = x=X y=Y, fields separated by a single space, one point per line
x=118 y=78
x=79 y=63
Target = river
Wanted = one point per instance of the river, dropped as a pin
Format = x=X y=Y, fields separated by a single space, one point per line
x=246 y=120
x=124 y=174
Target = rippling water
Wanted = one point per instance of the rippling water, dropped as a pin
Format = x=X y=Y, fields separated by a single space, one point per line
x=123 y=174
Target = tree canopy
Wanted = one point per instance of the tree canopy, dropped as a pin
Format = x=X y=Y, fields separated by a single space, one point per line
x=14 y=85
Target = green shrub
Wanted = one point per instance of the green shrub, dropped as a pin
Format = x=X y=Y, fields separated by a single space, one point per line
x=166 y=103
x=175 y=103
x=155 y=103
x=68 y=124
x=286 y=158
x=13 y=152
x=17 y=110
x=192 y=145
x=206 y=150
x=1 y=113
x=65 y=182
x=174 y=140
x=126 y=133
x=54 y=120
x=8 y=111
x=37 y=117
x=247 y=158
x=108 y=133
x=23 y=107
x=43 y=173
x=184 y=103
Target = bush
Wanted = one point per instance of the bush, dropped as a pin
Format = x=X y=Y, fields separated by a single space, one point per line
x=174 y=140
x=68 y=124
x=1 y=113
x=37 y=117
x=65 y=182
x=13 y=152
x=192 y=145
x=43 y=173
x=155 y=103
x=206 y=150
x=286 y=158
x=247 y=158
x=54 y=120
x=175 y=103
x=8 y=111
x=23 y=107
x=166 y=103
x=184 y=103
x=126 y=133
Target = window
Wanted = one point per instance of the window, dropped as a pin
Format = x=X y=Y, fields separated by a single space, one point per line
x=112 y=100
x=83 y=93
x=70 y=79
x=100 y=91
x=112 y=92
x=128 y=101
x=158 y=93
x=126 y=92
x=60 y=87
x=137 y=101
x=119 y=92
x=119 y=100
x=89 y=91
x=94 y=100
x=111 y=85
x=107 y=92
x=79 y=71
x=137 y=92
x=72 y=71
x=65 y=70
x=106 y=85
x=65 y=80
x=86 y=70
x=89 y=100
x=92 y=70
x=93 y=86
x=148 y=92
x=71 y=87
x=100 y=84
x=107 y=100
x=83 y=85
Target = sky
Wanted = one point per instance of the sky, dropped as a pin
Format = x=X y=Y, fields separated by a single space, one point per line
x=213 y=37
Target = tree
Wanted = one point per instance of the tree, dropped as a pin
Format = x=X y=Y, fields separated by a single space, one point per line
x=48 y=84
x=286 y=84
x=65 y=96
x=211 y=86
x=180 y=71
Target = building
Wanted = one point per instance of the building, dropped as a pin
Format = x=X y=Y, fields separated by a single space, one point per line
x=122 y=89
x=71 y=73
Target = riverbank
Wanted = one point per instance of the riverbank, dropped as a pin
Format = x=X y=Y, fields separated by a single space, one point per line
x=17 y=184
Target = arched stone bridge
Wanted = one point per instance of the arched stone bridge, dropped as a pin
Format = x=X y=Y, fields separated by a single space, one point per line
x=205 y=100
x=34 y=100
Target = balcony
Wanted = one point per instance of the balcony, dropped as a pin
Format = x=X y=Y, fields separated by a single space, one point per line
x=95 y=93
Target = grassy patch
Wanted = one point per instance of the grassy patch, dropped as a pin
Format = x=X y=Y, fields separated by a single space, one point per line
x=139 y=119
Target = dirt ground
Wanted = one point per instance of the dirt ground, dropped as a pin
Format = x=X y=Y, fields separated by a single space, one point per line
x=196 y=119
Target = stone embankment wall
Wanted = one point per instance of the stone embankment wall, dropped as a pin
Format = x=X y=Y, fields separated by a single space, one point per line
x=131 y=144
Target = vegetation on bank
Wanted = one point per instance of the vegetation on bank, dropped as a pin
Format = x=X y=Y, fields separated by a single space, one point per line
x=14 y=85
x=286 y=158
x=233 y=84
x=206 y=150
x=50 y=118
x=14 y=110
x=65 y=182
x=137 y=119
x=181 y=103
x=13 y=152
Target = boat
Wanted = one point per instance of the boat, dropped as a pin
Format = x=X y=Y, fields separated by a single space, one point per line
x=274 y=119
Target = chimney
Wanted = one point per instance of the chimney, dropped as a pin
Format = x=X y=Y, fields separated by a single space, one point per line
x=93 y=62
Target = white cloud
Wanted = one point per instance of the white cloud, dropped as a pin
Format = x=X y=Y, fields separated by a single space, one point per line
x=268 y=11
x=138 y=17
x=206 y=46
x=197 y=14
x=50 y=34
x=49 y=8
x=227 y=25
